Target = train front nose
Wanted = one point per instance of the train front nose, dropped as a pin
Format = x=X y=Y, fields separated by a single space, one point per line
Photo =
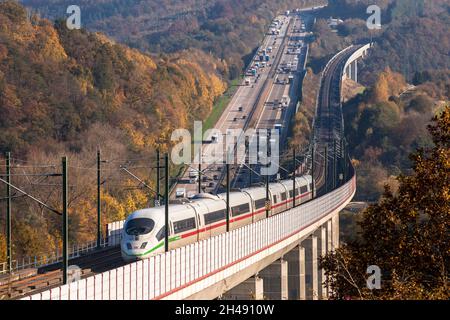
x=133 y=250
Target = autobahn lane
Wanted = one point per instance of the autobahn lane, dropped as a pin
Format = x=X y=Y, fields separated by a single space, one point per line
x=237 y=115
x=274 y=112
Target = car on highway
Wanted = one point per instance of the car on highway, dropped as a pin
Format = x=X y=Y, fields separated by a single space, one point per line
x=215 y=138
x=180 y=193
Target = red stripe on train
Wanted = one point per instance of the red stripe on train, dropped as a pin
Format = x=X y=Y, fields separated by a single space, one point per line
x=223 y=223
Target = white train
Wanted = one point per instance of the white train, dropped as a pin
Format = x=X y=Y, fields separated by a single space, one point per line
x=204 y=216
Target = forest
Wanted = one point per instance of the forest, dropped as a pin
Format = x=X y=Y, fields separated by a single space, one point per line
x=228 y=29
x=405 y=234
x=70 y=92
x=405 y=78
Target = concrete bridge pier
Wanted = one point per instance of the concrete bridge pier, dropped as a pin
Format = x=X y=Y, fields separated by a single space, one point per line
x=321 y=234
x=352 y=70
x=335 y=231
x=275 y=278
x=250 y=289
x=296 y=273
x=311 y=268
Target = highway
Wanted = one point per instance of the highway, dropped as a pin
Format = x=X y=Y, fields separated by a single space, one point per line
x=258 y=102
x=257 y=105
x=291 y=66
x=237 y=115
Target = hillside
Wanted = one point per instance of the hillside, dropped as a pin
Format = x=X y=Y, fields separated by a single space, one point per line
x=229 y=29
x=414 y=36
x=385 y=123
x=55 y=84
x=69 y=92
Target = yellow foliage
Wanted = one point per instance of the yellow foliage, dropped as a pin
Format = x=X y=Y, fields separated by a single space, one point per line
x=113 y=208
x=389 y=84
x=144 y=62
x=48 y=41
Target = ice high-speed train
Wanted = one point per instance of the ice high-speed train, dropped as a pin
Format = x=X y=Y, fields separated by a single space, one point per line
x=204 y=216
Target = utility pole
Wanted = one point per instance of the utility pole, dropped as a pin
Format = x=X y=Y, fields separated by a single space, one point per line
x=166 y=202
x=326 y=169
x=65 y=229
x=199 y=177
x=228 y=196
x=267 y=181
x=267 y=196
x=99 y=212
x=158 y=178
x=293 y=179
x=334 y=164
x=8 y=212
x=312 y=170
x=342 y=163
x=345 y=161
x=250 y=177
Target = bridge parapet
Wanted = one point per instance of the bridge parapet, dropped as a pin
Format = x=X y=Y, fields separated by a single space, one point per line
x=208 y=268
x=350 y=70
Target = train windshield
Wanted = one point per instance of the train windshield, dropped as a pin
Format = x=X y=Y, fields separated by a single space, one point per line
x=139 y=226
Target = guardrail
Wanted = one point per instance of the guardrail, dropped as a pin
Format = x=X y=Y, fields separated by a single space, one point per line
x=182 y=272
x=113 y=238
x=75 y=251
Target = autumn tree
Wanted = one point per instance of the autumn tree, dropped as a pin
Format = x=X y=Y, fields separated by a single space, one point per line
x=405 y=234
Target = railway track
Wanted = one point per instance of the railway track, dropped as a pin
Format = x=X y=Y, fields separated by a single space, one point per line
x=46 y=277
x=329 y=127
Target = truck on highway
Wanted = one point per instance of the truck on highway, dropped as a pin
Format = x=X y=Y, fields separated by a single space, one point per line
x=247 y=81
x=278 y=127
x=285 y=101
x=193 y=174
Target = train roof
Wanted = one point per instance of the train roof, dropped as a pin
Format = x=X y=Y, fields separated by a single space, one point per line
x=176 y=211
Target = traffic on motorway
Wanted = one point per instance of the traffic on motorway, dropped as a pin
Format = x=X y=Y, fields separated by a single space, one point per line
x=272 y=75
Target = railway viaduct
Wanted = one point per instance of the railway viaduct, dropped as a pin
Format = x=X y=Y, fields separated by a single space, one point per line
x=275 y=258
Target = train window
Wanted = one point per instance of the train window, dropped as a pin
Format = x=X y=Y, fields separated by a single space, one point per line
x=139 y=226
x=184 y=225
x=161 y=233
x=291 y=193
x=283 y=196
x=304 y=189
x=261 y=203
x=241 y=209
x=275 y=199
x=296 y=191
x=215 y=216
x=310 y=186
